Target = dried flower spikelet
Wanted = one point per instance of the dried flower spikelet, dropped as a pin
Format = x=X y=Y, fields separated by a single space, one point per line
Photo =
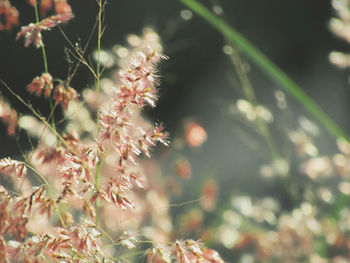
x=9 y=14
x=32 y=32
x=8 y=116
x=64 y=95
x=40 y=84
x=160 y=253
x=63 y=244
x=13 y=167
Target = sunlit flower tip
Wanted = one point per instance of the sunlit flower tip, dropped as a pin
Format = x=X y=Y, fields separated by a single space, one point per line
x=40 y=84
x=152 y=55
x=9 y=14
x=13 y=167
x=160 y=135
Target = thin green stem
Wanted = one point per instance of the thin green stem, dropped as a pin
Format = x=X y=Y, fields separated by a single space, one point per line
x=46 y=68
x=97 y=82
x=98 y=173
x=267 y=65
x=98 y=69
x=37 y=20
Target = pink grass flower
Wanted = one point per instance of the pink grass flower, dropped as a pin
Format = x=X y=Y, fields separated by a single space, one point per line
x=13 y=167
x=32 y=32
x=40 y=84
x=64 y=95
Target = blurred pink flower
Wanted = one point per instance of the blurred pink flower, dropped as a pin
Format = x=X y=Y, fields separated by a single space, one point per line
x=195 y=134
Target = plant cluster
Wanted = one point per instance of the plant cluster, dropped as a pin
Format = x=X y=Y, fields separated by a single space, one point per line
x=81 y=193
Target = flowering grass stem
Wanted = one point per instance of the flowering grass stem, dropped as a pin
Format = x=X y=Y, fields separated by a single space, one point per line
x=98 y=66
x=97 y=80
x=46 y=68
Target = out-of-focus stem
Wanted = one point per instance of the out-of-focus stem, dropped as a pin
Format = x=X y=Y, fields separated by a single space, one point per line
x=262 y=126
x=250 y=96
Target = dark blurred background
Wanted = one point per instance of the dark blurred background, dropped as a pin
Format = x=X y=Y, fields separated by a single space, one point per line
x=195 y=83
